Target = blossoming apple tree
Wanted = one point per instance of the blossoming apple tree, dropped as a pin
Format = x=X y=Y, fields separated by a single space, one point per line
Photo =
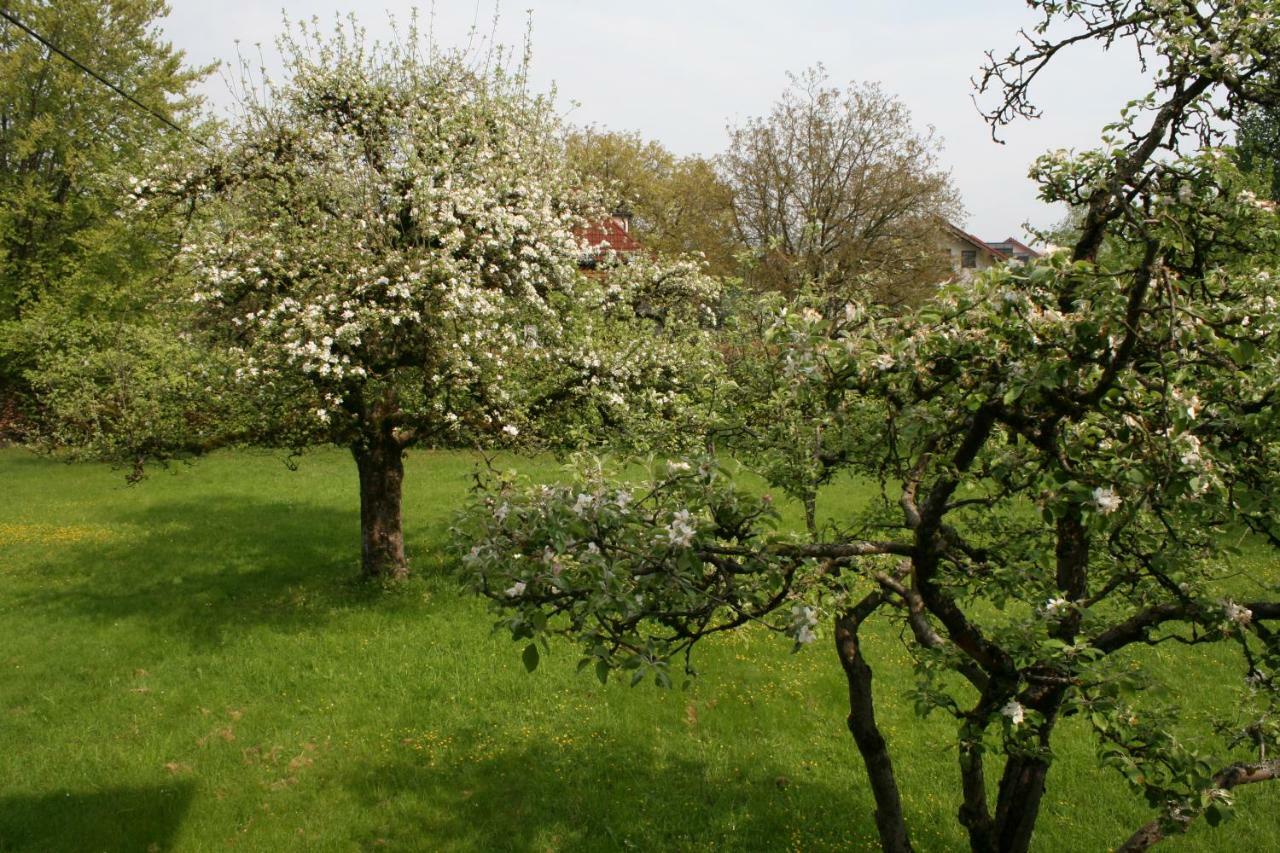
x=387 y=241
x=1070 y=453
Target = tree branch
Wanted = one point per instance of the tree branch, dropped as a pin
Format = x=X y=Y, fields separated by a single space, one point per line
x=1137 y=628
x=1160 y=828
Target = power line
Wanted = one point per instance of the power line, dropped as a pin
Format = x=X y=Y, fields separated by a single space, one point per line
x=13 y=19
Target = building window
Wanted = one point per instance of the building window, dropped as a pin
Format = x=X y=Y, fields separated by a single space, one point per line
x=969 y=259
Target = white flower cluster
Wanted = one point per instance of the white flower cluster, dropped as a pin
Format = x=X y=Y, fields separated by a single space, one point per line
x=804 y=624
x=1251 y=198
x=1237 y=614
x=584 y=504
x=884 y=361
x=1105 y=500
x=681 y=530
x=1055 y=607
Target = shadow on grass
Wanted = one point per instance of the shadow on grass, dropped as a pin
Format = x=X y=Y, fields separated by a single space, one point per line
x=202 y=569
x=112 y=819
x=607 y=796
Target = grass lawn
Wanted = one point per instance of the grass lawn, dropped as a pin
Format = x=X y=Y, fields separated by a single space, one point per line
x=187 y=665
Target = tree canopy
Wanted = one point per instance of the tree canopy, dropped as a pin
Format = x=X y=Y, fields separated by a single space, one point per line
x=835 y=191
x=68 y=145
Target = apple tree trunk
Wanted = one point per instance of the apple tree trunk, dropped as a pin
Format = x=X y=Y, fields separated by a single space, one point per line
x=381 y=466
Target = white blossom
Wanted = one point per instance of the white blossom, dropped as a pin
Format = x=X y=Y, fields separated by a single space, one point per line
x=1014 y=711
x=680 y=531
x=804 y=621
x=1105 y=500
x=1055 y=607
x=1235 y=613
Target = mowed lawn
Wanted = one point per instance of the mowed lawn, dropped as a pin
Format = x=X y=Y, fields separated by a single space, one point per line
x=186 y=664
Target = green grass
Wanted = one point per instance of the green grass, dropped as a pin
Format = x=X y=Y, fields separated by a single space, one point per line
x=186 y=664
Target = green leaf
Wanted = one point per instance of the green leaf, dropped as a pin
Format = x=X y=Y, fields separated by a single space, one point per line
x=530 y=657
x=602 y=671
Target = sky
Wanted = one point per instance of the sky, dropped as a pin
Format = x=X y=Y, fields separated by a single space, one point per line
x=680 y=72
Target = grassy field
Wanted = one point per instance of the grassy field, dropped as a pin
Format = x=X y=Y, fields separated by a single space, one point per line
x=187 y=665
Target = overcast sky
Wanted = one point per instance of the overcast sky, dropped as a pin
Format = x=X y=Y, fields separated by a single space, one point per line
x=678 y=72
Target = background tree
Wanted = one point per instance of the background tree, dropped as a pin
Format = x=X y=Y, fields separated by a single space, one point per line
x=680 y=205
x=1258 y=147
x=68 y=145
x=835 y=191
x=778 y=413
x=1068 y=444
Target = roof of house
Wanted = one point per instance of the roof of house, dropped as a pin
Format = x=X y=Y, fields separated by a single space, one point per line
x=608 y=234
x=980 y=245
x=1015 y=247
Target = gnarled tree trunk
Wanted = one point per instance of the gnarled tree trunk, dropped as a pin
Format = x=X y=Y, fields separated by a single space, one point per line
x=1021 y=791
x=890 y=821
x=381 y=466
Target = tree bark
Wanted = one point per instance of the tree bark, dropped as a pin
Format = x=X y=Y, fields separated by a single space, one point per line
x=381 y=467
x=1018 y=804
x=975 y=815
x=890 y=821
x=811 y=515
x=1022 y=786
